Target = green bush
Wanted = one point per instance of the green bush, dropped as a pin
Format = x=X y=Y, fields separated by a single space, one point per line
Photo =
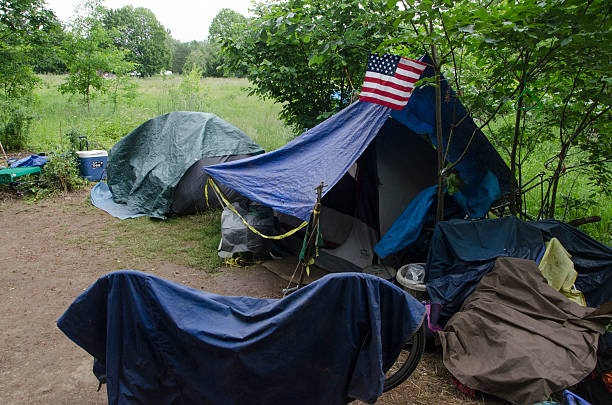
x=189 y=95
x=60 y=174
x=15 y=119
x=73 y=136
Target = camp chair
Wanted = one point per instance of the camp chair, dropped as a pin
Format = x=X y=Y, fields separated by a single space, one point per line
x=19 y=176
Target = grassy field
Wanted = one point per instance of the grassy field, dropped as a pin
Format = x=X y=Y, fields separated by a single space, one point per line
x=106 y=123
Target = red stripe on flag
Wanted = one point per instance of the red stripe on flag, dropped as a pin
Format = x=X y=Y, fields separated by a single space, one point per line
x=412 y=69
x=385 y=103
x=412 y=62
x=385 y=93
x=406 y=78
x=386 y=83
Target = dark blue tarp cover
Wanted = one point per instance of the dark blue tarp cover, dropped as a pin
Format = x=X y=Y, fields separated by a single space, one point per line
x=164 y=343
x=592 y=259
x=419 y=116
x=462 y=252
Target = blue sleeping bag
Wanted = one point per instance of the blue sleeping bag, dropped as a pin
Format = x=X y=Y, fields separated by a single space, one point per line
x=164 y=343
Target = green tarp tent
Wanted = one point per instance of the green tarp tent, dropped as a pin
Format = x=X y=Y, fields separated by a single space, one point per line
x=156 y=168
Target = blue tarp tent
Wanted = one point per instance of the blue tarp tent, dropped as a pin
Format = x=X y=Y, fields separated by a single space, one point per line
x=373 y=161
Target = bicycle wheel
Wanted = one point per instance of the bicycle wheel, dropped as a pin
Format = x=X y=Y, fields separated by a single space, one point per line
x=407 y=360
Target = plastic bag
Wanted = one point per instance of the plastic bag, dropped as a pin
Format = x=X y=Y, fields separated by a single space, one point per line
x=236 y=237
x=415 y=273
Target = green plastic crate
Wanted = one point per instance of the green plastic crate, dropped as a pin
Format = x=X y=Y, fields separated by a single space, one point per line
x=10 y=175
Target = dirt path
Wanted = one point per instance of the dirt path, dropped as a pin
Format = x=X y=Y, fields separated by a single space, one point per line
x=50 y=252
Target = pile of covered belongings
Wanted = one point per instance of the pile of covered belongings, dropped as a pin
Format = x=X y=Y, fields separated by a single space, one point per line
x=158 y=342
x=515 y=294
x=518 y=338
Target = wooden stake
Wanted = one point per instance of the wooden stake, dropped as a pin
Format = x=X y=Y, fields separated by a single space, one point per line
x=4 y=153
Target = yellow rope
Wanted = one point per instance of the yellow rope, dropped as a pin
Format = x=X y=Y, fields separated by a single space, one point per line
x=231 y=207
x=206 y=194
x=241 y=262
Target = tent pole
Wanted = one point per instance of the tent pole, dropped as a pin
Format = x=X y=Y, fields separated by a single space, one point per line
x=310 y=249
x=312 y=237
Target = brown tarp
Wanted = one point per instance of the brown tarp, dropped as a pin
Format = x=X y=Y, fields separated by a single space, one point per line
x=518 y=338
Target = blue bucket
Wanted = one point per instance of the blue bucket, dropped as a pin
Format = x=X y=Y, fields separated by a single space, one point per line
x=92 y=164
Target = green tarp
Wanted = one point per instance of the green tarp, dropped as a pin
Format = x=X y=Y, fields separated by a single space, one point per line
x=145 y=166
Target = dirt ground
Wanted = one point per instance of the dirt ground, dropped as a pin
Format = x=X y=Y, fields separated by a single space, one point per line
x=53 y=250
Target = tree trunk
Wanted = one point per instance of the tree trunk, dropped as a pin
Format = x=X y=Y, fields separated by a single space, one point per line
x=514 y=192
x=556 y=178
x=439 y=138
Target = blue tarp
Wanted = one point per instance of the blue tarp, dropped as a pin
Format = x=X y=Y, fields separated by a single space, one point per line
x=286 y=179
x=592 y=259
x=30 y=161
x=102 y=198
x=419 y=116
x=164 y=343
x=476 y=198
x=407 y=228
x=462 y=252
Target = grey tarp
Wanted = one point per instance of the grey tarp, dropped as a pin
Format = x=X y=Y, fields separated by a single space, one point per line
x=145 y=166
x=518 y=338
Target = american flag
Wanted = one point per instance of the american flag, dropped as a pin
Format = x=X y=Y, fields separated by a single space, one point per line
x=390 y=79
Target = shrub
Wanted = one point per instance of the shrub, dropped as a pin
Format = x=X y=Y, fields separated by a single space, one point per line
x=15 y=119
x=60 y=174
x=74 y=137
x=189 y=95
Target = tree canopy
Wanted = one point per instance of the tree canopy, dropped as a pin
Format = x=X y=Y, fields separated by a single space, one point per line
x=308 y=54
x=530 y=72
x=226 y=24
x=138 y=31
x=24 y=37
x=89 y=53
x=24 y=28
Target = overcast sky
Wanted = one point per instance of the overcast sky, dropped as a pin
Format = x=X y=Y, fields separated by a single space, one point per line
x=187 y=20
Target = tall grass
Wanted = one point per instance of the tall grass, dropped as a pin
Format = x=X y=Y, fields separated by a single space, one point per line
x=55 y=113
x=576 y=198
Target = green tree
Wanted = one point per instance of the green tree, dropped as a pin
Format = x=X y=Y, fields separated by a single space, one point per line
x=302 y=52
x=205 y=57
x=89 y=53
x=48 y=58
x=180 y=51
x=138 y=31
x=226 y=25
x=503 y=57
x=24 y=27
